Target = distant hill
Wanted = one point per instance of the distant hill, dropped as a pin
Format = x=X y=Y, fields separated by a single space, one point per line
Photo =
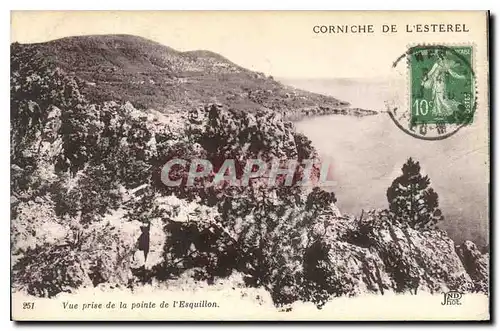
x=151 y=75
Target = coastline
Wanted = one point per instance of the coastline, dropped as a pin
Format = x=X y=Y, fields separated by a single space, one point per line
x=312 y=112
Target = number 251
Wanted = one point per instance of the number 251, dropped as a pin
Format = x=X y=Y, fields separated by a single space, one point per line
x=28 y=305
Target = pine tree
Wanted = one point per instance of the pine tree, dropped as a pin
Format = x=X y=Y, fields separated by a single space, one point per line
x=411 y=199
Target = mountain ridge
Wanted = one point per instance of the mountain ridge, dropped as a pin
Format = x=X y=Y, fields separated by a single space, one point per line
x=151 y=75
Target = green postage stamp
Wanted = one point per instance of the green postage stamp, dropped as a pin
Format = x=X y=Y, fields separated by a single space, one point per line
x=442 y=85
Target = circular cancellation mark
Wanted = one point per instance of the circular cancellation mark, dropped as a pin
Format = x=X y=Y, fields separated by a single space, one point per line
x=441 y=95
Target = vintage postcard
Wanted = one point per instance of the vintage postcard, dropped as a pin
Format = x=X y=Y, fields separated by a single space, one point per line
x=249 y=165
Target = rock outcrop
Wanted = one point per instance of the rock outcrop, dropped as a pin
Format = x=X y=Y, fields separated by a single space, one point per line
x=375 y=254
x=476 y=264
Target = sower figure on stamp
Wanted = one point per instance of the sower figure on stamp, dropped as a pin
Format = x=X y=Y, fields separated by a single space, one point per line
x=435 y=80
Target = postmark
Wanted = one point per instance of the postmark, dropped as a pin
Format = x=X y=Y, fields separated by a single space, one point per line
x=440 y=97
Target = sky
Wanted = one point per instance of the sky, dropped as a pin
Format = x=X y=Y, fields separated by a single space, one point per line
x=281 y=44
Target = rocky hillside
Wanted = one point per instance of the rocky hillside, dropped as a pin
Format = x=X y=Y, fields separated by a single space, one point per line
x=151 y=75
x=86 y=181
x=385 y=255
